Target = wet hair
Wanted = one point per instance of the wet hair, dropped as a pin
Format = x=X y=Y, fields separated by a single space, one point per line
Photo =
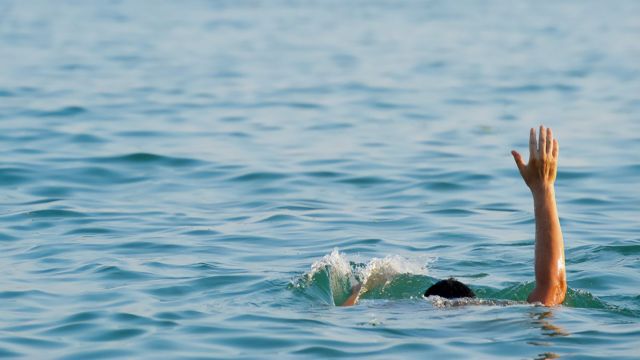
x=450 y=289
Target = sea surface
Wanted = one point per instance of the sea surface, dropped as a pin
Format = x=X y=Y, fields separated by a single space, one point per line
x=207 y=179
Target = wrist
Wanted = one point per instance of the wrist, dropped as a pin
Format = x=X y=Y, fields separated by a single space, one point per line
x=543 y=193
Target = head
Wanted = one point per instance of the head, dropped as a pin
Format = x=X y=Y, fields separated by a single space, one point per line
x=450 y=289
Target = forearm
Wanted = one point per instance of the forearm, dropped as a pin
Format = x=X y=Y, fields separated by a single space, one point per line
x=353 y=298
x=549 y=248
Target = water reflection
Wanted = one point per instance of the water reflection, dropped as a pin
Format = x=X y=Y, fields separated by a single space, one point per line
x=543 y=320
x=546 y=356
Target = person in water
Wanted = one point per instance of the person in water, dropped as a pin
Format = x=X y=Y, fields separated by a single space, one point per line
x=539 y=174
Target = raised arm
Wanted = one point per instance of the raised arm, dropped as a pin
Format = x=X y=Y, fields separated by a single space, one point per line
x=539 y=175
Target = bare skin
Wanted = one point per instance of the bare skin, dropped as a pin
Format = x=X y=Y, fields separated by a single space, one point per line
x=351 y=300
x=540 y=174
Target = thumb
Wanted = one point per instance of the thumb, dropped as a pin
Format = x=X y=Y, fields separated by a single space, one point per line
x=518 y=158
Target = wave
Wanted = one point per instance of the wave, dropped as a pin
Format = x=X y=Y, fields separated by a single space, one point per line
x=393 y=277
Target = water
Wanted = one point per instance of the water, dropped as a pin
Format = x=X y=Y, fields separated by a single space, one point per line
x=171 y=171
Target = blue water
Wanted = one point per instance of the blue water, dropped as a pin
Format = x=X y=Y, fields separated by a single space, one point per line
x=176 y=175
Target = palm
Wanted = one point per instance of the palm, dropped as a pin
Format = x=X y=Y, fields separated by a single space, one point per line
x=541 y=170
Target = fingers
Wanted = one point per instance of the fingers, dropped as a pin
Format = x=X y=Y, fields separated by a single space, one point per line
x=549 y=144
x=533 y=151
x=542 y=144
x=518 y=158
x=556 y=149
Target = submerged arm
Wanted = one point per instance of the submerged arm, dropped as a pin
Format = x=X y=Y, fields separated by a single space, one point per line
x=351 y=300
x=539 y=175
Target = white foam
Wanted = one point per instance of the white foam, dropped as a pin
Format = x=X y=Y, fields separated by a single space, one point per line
x=378 y=273
x=441 y=302
x=337 y=264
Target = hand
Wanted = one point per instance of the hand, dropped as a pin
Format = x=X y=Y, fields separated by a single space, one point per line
x=540 y=173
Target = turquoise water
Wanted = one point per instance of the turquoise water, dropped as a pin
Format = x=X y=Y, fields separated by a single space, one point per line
x=175 y=177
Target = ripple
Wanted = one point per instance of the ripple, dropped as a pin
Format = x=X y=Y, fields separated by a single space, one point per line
x=116 y=273
x=275 y=104
x=100 y=354
x=589 y=201
x=86 y=139
x=9 y=353
x=631 y=170
x=54 y=213
x=442 y=185
x=14 y=176
x=452 y=212
x=386 y=105
x=19 y=294
x=69 y=329
x=330 y=126
x=128 y=318
x=573 y=174
x=208 y=329
x=90 y=231
x=369 y=89
x=83 y=316
x=462 y=102
x=365 y=180
x=324 y=352
x=57 y=192
x=535 y=88
x=33 y=342
x=147 y=159
x=142 y=133
x=201 y=232
x=319 y=162
x=279 y=218
x=114 y=335
x=212 y=282
x=97 y=175
x=143 y=247
x=179 y=315
x=626 y=249
x=7 y=237
x=260 y=342
x=67 y=111
x=172 y=291
x=292 y=207
x=506 y=207
x=260 y=176
x=311 y=90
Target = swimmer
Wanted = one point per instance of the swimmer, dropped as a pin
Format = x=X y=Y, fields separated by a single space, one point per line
x=539 y=174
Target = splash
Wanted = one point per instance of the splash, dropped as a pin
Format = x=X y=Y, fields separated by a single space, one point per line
x=335 y=262
x=332 y=277
x=379 y=273
x=335 y=270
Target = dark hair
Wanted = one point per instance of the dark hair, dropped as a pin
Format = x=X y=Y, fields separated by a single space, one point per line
x=450 y=289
